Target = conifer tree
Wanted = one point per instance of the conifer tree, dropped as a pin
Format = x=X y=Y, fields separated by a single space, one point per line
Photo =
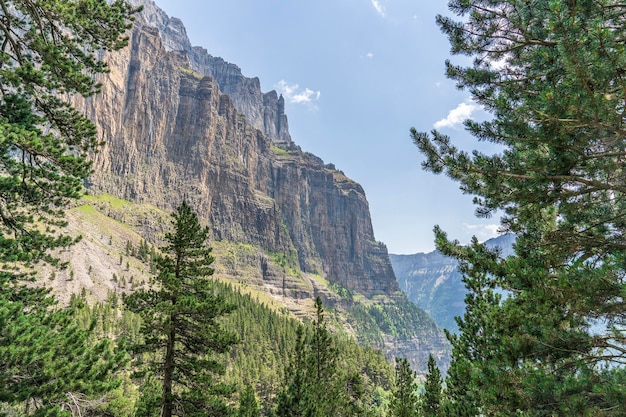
x=50 y=365
x=430 y=401
x=180 y=316
x=293 y=400
x=248 y=404
x=149 y=402
x=473 y=346
x=551 y=73
x=326 y=397
x=48 y=51
x=314 y=386
x=404 y=402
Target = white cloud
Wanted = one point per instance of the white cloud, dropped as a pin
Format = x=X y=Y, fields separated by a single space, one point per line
x=483 y=231
x=379 y=7
x=370 y=55
x=294 y=94
x=458 y=115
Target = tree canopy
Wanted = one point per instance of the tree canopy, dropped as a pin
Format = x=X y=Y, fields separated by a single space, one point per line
x=405 y=402
x=551 y=73
x=180 y=313
x=49 y=51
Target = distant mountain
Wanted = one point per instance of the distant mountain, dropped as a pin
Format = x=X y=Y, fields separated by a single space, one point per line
x=433 y=282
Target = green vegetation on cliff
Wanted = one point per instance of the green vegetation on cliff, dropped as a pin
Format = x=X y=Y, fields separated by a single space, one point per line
x=397 y=317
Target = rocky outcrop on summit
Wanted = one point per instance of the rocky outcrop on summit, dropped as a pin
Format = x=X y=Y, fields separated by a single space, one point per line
x=172 y=134
x=265 y=112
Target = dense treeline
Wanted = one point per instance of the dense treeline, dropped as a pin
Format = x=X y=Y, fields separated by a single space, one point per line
x=261 y=361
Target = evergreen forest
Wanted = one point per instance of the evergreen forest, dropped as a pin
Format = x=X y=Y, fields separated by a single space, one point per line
x=544 y=332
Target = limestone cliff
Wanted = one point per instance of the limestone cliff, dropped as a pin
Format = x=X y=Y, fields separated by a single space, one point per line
x=263 y=111
x=171 y=134
x=181 y=124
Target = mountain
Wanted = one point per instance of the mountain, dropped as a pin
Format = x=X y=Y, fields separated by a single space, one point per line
x=433 y=282
x=179 y=124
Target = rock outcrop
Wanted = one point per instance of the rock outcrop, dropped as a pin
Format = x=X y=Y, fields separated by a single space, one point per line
x=263 y=111
x=172 y=134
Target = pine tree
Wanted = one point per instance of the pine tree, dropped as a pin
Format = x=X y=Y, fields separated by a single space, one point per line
x=49 y=51
x=430 y=402
x=474 y=345
x=293 y=400
x=248 y=404
x=551 y=72
x=50 y=365
x=314 y=385
x=149 y=402
x=404 y=402
x=180 y=316
x=325 y=395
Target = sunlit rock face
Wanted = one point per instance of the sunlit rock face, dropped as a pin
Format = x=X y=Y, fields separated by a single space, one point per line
x=181 y=124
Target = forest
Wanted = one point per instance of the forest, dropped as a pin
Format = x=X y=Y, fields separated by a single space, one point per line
x=544 y=332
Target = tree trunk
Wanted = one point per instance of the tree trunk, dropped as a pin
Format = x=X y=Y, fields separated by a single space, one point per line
x=167 y=403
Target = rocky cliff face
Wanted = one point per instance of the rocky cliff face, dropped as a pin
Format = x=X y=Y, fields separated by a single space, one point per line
x=172 y=134
x=263 y=111
x=181 y=124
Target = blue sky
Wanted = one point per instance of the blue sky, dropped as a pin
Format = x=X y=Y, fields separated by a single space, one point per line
x=356 y=76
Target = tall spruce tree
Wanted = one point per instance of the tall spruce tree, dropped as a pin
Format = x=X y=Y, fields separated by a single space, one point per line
x=180 y=314
x=314 y=385
x=48 y=52
x=551 y=73
x=430 y=400
x=248 y=404
x=404 y=402
x=293 y=400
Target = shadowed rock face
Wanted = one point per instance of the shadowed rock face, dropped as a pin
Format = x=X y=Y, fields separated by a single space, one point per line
x=181 y=124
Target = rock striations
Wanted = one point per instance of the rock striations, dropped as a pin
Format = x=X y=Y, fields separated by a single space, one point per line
x=172 y=134
x=179 y=124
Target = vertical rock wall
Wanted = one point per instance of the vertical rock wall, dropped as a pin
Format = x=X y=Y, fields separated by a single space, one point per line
x=172 y=133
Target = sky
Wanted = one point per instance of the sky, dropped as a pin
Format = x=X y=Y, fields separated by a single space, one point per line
x=356 y=76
